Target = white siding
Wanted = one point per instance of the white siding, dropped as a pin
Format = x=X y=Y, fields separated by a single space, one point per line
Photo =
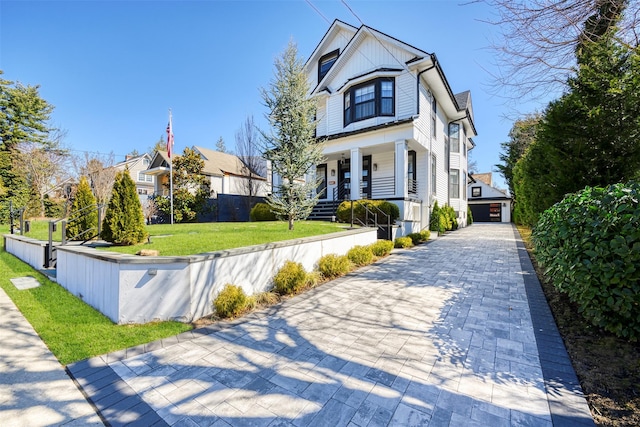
x=405 y=95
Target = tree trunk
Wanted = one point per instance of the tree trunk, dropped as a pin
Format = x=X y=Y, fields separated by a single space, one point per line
x=290 y=223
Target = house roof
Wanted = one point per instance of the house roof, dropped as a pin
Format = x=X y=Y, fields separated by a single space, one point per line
x=459 y=106
x=217 y=163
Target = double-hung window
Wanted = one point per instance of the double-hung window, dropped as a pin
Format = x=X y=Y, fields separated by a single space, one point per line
x=454 y=137
x=371 y=99
x=454 y=183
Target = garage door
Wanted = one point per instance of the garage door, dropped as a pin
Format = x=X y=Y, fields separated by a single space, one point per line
x=487 y=212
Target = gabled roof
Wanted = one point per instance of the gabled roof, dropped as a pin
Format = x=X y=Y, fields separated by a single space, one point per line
x=217 y=163
x=130 y=161
x=459 y=106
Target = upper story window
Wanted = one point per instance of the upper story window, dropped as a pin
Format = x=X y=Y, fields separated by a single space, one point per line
x=371 y=99
x=325 y=63
x=142 y=177
x=454 y=137
x=145 y=162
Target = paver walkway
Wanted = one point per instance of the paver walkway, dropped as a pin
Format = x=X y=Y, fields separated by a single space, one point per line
x=441 y=334
x=34 y=388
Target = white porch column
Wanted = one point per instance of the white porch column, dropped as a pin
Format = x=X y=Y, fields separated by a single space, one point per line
x=401 y=168
x=356 y=173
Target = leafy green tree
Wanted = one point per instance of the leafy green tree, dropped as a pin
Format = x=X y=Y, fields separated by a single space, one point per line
x=191 y=188
x=84 y=218
x=290 y=145
x=124 y=222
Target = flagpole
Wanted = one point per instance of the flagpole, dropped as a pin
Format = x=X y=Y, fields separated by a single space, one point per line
x=169 y=147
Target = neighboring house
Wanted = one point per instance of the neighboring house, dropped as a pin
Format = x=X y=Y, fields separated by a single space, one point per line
x=137 y=167
x=393 y=127
x=487 y=203
x=227 y=174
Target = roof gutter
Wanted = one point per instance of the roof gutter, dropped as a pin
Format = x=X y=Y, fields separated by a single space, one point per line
x=434 y=64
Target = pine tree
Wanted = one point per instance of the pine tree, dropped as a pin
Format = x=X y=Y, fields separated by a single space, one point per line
x=124 y=221
x=291 y=146
x=83 y=217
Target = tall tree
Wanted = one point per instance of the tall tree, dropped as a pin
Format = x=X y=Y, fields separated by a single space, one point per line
x=42 y=168
x=24 y=117
x=84 y=216
x=521 y=135
x=160 y=145
x=220 y=145
x=253 y=164
x=124 y=221
x=290 y=144
x=99 y=170
x=591 y=135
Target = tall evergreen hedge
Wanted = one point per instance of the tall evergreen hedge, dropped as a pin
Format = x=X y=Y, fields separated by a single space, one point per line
x=124 y=221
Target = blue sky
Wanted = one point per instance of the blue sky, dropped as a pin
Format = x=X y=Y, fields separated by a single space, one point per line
x=112 y=69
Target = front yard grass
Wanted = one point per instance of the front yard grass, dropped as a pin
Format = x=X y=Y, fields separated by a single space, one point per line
x=608 y=367
x=72 y=329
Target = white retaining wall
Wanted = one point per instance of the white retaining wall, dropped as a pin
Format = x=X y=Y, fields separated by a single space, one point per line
x=27 y=249
x=135 y=289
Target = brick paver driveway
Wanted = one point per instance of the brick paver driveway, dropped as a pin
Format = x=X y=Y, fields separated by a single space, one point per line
x=441 y=334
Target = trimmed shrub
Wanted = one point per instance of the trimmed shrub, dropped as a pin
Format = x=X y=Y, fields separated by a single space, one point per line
x=469 y=215
x=84 y=225
x=425 y=234
x=589 y=245
x=123 y=223
x=434 y=220
x=262 y=212
x=420 y=237
x=231 y=301
x=403 y=242
x=344 y=210
x=381 y=248
x=291 y=278
x=360 y=255
x=333 y=265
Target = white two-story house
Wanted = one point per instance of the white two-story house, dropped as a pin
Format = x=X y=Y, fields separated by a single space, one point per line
x=393 y=127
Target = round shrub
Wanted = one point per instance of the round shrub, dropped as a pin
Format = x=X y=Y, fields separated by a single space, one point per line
x=291 y=278
x=231 y=301
x=343 y=212
x=424 y=235
x=589 y=244
x=333 y=265
x=403 y=242
x=360 y=255
x=262 y=212
x=381 y=248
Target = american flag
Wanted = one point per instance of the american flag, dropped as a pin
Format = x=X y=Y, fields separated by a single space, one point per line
x=169 y=137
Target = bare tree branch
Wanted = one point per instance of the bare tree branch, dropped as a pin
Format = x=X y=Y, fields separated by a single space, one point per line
x=536 y=51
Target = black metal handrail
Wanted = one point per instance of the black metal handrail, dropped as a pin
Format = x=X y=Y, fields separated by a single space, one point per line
x=49 y=256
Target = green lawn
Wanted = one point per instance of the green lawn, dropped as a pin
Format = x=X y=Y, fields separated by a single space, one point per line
x=188 y=239
x=70 y=328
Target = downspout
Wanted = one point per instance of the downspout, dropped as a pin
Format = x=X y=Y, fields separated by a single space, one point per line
x=434 y=61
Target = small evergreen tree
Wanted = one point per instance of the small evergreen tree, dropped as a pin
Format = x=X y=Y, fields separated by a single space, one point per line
x=124 y=221
x=80 y=224
x=290 y=145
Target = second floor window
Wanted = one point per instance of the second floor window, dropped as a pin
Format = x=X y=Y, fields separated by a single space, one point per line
x=370 y=99
x=454 y=137
x=142 y=177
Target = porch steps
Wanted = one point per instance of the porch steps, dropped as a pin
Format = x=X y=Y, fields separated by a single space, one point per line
x=323 y=211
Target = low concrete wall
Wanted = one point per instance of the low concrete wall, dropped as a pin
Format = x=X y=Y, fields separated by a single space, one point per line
x=27 y=249
x=134 y=289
